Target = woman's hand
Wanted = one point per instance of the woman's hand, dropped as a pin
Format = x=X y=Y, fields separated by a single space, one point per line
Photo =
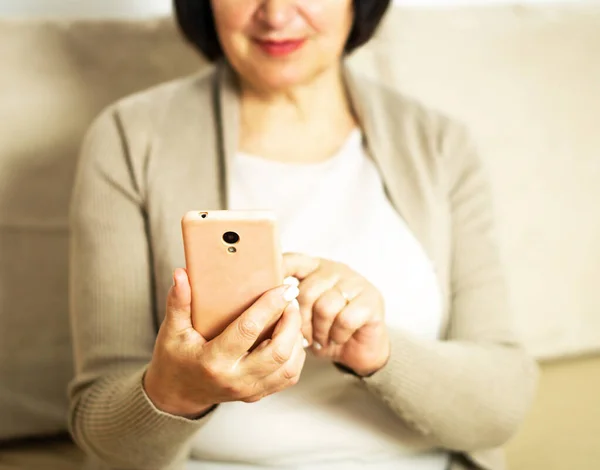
x=188 y=375
x=343 y=313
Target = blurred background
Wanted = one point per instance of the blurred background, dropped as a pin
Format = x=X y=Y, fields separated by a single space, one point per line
x=523 y=75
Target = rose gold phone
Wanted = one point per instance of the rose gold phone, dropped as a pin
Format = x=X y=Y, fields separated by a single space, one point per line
x=232 y=258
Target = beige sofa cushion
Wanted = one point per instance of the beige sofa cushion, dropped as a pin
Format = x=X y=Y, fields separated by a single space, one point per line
x=561 y=431
x=51 y=454
x=54 y=78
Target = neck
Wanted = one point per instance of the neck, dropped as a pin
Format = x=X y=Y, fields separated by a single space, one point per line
x=320 y=100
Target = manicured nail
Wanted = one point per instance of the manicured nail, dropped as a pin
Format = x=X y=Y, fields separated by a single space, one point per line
x=305 y=343
x=291 y=293
x=317 y=346
x=291 y=281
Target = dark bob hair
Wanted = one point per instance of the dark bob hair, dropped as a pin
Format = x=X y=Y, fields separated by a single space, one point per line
x=195 y=19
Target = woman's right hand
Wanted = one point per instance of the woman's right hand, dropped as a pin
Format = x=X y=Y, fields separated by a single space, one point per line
x=188 y=375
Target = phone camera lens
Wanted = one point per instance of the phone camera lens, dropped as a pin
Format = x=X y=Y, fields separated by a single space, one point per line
x=231 y=238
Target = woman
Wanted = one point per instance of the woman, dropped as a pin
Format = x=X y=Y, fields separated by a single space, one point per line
x=411 y=361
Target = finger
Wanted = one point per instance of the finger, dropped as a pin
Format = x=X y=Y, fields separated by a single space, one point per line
x=285 y=376
x=329 y=352
x=291 y=281
x=299 y=266
x=352 y=318
x=239 y=337
x=289 y=373
x=264 y=361
x=306 y=328
x=324 y=312
x=291 y=308
x=306 y=325
x=311 y=288
x=179 y=303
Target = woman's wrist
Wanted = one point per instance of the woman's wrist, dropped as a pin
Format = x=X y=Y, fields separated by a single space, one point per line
x=166 y=404
x=361 y=374
x=368 y=368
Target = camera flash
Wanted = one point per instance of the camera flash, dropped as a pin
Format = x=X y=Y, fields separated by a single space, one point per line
x=231 y=249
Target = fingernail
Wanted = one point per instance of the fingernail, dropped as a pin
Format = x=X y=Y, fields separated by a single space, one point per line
x=317 y=346
x=305 y=343
x=174 y=279
x=291 y=281
x=291 y=293
x=295 y=304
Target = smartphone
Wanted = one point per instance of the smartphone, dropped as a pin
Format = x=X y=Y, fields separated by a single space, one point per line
x=232 y=258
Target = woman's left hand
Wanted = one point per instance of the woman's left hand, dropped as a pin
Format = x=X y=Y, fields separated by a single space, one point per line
x=343 y=313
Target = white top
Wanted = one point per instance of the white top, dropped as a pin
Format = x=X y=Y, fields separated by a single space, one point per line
x=337 y=210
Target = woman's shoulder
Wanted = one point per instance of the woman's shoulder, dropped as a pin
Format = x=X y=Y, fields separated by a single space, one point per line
x=141 y=119
x=145 y=110
x=157 y=99
x=405 y=120
x=389 y=104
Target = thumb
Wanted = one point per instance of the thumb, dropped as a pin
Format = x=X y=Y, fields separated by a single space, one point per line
x=299 y=266
x=179 y=302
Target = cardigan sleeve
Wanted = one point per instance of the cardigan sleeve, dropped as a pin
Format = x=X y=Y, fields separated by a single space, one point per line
x=112 y=313
x=471 y=391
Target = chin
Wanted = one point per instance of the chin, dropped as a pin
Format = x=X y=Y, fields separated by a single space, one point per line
x=281 y=78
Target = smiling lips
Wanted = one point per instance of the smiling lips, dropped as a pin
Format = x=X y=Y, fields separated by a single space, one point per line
x=280 y=48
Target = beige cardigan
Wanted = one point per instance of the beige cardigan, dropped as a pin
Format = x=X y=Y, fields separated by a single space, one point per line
x=151 y=157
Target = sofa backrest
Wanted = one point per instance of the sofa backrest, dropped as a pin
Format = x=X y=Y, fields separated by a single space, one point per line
x=526 y=80
x=55 y=78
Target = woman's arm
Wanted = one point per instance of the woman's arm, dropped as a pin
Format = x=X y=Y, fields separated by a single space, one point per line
x=112 y=313
x=472 y=391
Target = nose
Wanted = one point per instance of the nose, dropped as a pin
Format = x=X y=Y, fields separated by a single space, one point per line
x=277 y=14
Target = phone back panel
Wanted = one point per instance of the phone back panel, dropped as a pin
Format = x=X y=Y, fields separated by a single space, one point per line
x=224 y=283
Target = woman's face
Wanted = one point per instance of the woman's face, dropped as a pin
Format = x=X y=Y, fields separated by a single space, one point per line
x=276 y=44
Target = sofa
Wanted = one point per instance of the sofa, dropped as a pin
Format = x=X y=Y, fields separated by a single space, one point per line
x=525 y=79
